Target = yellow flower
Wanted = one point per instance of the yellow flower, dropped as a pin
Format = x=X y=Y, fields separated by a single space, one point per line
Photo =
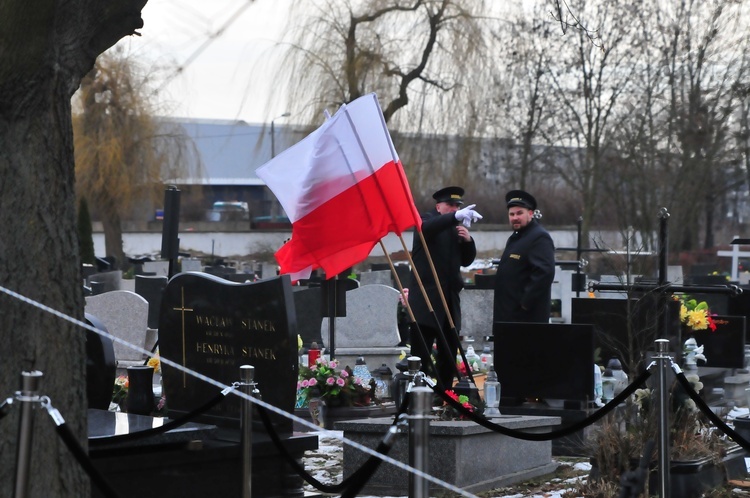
x=299 y=342
x=683 y=313
x=155 y=362
x=697 y=320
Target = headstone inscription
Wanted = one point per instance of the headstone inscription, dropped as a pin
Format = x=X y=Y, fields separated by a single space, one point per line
x=213 y=326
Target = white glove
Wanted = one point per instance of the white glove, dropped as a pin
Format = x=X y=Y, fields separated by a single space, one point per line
x=467 y=215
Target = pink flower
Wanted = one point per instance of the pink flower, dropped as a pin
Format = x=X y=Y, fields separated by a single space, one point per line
x=340 y=382
x=344 y=374
x=330 y=381
x=312 y=382
x=333 y=364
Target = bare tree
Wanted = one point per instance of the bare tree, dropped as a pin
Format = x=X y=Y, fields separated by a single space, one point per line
x=345 y=49
x=588 y=82
x=47 y=48
x=704 y=62
x=123 y=153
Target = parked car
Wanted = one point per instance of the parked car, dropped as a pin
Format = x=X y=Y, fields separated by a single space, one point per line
x=280 y=221
x=229 y=211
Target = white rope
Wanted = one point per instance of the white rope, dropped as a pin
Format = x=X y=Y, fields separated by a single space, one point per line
x=222 y=386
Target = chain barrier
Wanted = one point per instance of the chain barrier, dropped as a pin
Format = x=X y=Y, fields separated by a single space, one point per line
x=546 y=436
x=354 y=483
x=706 y=410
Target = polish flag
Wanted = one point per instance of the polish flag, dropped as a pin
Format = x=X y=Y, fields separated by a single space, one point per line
x=343 y=188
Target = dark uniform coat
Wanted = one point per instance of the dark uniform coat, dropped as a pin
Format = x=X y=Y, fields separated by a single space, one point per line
x=448 y=253
x=524 y=277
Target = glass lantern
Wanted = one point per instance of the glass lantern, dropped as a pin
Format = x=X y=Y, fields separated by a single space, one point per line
x=492 y=393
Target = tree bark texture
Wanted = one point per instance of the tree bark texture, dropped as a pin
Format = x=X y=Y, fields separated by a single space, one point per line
x=46 y=47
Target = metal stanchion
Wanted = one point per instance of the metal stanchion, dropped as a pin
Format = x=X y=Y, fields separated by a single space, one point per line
x=247 y=386
x=662 y=364
x=28 y=396
x=419 y=437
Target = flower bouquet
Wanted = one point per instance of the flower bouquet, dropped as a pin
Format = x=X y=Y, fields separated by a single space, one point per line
x=696 y=315
x=338 y=387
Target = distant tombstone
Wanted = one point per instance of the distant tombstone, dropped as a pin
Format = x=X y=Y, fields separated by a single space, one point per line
x=213 y=327
x=476 y=312
x=158 y=268
x=125 y=314
x=151 y=288
x=219 y=270
x=369 y=329
x=100 y=366
x=307 y=303
x=381 y=277
x=404 y=274
x=675 y=274
x=191 y=264
x=105 y=282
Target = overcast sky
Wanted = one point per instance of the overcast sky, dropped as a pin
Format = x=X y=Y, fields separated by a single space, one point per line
x=230 y=77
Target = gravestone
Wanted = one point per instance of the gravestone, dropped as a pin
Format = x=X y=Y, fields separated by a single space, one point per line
x=191 y=264
x=158 y=268
x=307 y=304
x=370 y=327
x=104 y=282
x=151 y=288
x=476 y=312
x=125 y=314
x=212 y=326
x=100 y=366
x=381 y=277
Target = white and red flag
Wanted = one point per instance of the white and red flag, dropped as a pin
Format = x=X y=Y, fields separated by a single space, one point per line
x=343 y=188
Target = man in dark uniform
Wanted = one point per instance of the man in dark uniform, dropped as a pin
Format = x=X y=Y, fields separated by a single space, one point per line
x=446 y=232
x=527 y=267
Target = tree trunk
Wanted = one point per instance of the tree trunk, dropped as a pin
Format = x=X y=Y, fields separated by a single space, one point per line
x=47 y=48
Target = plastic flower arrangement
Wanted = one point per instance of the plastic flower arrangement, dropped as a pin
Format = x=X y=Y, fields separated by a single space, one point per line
x=447 y=412
x=337 y=387
x=120 y=389
x=696 y=315
x=155 y=362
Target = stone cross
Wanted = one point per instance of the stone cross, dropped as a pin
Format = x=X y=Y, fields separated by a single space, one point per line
x=735 y=254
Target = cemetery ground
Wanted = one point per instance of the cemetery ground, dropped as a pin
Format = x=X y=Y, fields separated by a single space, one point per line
x=569 y=480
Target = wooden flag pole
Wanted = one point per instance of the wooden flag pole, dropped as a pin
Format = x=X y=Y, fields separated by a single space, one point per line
x=445 y=304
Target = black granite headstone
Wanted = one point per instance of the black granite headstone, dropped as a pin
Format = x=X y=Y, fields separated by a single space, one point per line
x=307 y=303
x=151 y=288
x=725 y=346
x=625 y=328
x=100 y=366
x=213 y=327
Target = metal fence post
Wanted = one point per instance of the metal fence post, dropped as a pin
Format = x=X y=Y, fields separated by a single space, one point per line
x=419 y=438
x=28 y=396
x=662 y=364
x=247 y=386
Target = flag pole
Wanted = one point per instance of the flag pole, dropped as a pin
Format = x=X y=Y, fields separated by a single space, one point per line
x=441 y=333
x=425 y=361
x=445 y=304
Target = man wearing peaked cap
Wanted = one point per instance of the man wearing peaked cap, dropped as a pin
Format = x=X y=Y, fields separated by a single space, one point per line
x=524 y=276
x=520 y=198
x=451 y=195
x=446 y=232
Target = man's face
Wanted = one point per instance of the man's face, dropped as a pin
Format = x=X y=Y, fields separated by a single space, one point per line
x=519 y=217
x=447 y=207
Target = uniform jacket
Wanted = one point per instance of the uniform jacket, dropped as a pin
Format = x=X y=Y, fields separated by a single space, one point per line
x=448 y=253
x=524 y=276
